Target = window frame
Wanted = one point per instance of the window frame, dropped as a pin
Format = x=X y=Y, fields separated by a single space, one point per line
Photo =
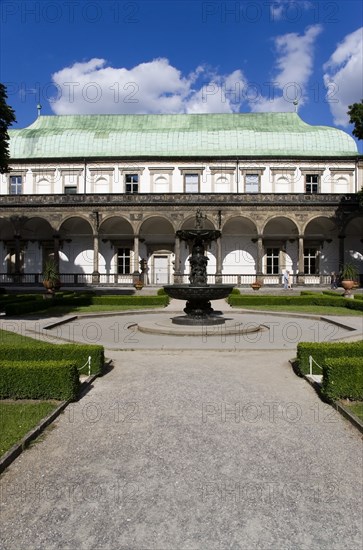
x=13 y=176
x=188 y=174
x=123 y=267
x=275 y=260
x=134 y=185
x=250 y=174
x=308 y=257
x=317 y=183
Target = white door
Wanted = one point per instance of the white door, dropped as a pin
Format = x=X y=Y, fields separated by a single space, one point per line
x=161 y=270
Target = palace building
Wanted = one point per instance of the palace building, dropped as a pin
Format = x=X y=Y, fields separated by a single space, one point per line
x=105 y=194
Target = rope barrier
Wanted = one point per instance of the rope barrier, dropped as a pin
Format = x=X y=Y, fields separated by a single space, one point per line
x=88 y=362
x=311 y=360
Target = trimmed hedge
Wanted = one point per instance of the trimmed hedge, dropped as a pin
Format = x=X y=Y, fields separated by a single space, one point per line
x=343 y=378
x=322 y=350
x=76 y=353
x=36 y=303
x=38 y=380
x=305 y=300
x=121 y=300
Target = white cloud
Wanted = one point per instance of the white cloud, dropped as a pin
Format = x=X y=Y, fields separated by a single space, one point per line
x=343 y=76
x=290 y=10
x=154 y=87
x=295 y=64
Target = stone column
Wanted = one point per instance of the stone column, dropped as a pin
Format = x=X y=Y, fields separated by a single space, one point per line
x=177 y=272
x=96 y=273
x=136 y=272
x=219 y=261
x=300 y=268
x=259 y=257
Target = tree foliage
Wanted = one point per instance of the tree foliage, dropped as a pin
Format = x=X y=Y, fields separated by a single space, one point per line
x=356 y=117
x=7 y=117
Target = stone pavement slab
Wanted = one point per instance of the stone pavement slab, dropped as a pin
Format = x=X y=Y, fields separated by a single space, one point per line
x=193 y=450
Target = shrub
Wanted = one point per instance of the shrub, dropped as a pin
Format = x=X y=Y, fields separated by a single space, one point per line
x=235 y=292
x=36 y=303
x=76 y=353
x=38 y=380
x=313 y=299
x=131 y=300
x=321 y=350
x=343 y=378
x=161 y=292
x=332 y=293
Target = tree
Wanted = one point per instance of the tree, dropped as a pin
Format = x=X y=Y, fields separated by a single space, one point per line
x=356 y=117
x=7 y=117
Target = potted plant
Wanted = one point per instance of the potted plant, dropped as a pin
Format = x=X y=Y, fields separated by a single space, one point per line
x=256 y=285
x=51 y=279
x=349 y=275
x=138 y=284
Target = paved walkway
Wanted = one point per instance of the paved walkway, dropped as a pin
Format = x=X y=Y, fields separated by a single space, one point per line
x=193 y=450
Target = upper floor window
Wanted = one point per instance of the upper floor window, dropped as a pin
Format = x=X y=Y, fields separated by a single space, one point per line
x=70 y=190
x=252 y=183
x=191 y=183
x=311 y=183
x=16 y=185
x=132 y=183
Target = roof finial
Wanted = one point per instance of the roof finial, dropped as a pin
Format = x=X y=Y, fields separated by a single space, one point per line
x=39 y=107
x=296 y=103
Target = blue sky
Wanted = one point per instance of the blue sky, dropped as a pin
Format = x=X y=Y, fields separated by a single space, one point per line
x=154 y=56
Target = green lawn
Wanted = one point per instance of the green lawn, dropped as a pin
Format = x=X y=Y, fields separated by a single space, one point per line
x=356 y=408
x=65 y=310
x=18 y=418
x=7 y=337
x=315 y=310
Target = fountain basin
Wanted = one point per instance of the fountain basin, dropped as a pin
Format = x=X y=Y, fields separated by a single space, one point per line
x=198 y=307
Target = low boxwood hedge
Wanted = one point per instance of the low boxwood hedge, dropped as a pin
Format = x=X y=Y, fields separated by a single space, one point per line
x=38 y=380
x=32 y=304
x=122 y=300
x=76 y=353
x=305 y=300
x=343 y=378
x=321 y=350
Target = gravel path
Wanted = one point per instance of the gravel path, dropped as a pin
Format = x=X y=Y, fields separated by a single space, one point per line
x=192 y=450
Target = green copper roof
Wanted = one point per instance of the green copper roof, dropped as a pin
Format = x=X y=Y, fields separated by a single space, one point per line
x=204 y=135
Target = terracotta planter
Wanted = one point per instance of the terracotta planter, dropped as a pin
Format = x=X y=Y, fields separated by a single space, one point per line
x=138 y=285
x=255 y=286
x=348 y=285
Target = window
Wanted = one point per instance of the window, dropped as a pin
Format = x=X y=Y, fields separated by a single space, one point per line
x=310 y=263
x=251 y=183
x=272 y=261
x=191 y=183
x=132 y=183
x=311 y=183
x=123 y=261
x=16 y=185
x=70 y=190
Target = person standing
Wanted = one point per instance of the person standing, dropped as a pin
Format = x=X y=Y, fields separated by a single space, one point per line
x=333 y=281
x=286 y=280
x=289 y=283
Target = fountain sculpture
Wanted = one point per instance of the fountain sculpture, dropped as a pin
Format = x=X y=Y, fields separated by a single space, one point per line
x=198 y=293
